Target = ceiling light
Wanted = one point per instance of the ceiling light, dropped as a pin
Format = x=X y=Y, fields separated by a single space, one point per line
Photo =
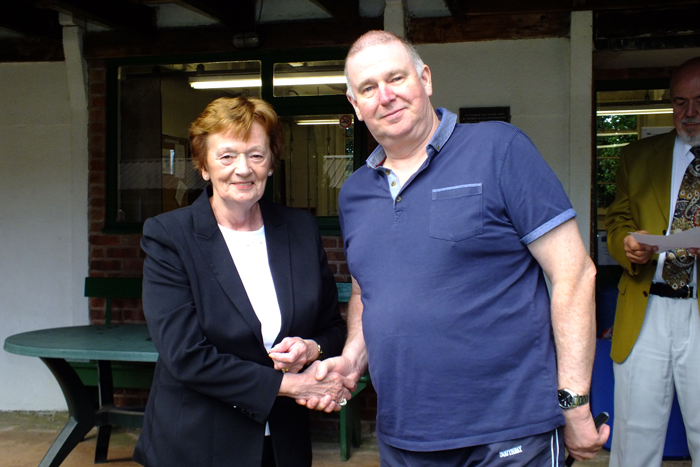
x=225 y=83
x=318 y=121
x=250 y=81
x=636 y=111
x=307 y=80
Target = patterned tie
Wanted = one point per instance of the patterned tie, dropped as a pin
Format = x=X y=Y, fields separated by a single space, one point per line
x=678 y=267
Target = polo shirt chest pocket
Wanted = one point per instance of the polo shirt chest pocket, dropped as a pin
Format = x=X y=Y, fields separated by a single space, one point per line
x=456 y=212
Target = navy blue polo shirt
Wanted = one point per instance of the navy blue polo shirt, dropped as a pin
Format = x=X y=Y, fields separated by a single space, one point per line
x=456 y=311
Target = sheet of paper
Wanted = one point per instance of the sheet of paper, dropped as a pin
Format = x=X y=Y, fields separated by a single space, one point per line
x=685 y=239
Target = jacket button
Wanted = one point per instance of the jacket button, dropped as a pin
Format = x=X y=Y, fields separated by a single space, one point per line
x=645 y=293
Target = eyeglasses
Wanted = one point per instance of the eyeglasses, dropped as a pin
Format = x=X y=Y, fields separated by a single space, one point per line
x=228 y=159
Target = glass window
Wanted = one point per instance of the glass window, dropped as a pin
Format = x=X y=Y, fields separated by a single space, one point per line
x=156 y=106
x=149 y=166
x=318 y=157
x=624 y=117
x=319 y=78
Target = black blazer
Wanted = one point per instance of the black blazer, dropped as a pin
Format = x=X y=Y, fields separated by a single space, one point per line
x=214 y=386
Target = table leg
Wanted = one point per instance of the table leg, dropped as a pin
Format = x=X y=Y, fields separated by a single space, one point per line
x=80 y=410
x=106 y=392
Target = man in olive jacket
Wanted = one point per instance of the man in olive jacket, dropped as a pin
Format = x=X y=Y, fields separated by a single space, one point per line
x=656 y=336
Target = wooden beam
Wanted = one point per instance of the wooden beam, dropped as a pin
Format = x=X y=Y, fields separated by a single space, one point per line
x=239 y=15
x=22 y=18
x=114 y=14
x=278 y=36
x=503 y=7
x=346 y=11
x=488 y=27
x=638 y=74
x=646 y=23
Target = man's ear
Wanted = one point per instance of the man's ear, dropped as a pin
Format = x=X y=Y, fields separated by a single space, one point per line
x=427 y=80
x=353 y=102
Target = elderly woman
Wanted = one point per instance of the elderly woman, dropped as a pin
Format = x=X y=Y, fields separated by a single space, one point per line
x=239 y=300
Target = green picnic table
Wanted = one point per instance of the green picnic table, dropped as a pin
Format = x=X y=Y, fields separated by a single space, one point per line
x=101 y=343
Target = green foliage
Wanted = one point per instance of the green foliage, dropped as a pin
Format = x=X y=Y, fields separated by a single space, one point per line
x=608 y=157
x=616 y=122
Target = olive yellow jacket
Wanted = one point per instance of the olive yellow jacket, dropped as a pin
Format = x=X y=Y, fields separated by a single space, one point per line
x=642 y=202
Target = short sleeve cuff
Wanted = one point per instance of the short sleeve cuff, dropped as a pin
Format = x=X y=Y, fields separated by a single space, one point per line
x=549 y=225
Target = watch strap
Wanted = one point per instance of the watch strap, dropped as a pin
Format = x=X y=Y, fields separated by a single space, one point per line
x=569 y=399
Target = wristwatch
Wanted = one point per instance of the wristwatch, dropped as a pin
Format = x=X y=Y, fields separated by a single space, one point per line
x=568 y=399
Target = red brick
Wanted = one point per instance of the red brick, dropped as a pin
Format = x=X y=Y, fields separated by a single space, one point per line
x=132 y=267
x=96 y=126
x=104 y=240
x=330 y=242
x=97 y=104
x=97 y=165
x=96 y=177
x=335 y=256
x=96 y=191
x=132 y=240
x=121 y=253
x=105 y=265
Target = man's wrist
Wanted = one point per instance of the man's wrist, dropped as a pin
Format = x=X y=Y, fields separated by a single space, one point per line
x=569 y=399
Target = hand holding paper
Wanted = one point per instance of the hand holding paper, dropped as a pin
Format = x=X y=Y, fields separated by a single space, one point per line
x=685 y=239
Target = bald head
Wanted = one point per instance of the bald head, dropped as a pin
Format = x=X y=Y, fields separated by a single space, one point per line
x=685 y=99
x=687 y=71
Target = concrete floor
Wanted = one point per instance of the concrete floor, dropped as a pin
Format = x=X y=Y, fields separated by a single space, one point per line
x=25 y=438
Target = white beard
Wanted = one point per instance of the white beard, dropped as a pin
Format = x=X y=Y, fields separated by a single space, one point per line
x=692 y=141
x=685 y=137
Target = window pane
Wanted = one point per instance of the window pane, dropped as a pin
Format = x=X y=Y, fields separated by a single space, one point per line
x=157 y=104
x=320 y=78
x=317 y=158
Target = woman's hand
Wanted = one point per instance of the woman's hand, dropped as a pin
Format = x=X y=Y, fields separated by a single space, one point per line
x=304 y=387
x=293 y=353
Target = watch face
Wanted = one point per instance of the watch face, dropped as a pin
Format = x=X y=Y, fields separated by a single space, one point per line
x=566 y=399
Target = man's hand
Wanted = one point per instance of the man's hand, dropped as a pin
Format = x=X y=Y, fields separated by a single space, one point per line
x=329 y=368
x=580 y=435
x=341 y=365
x=638 y=253
x=327 y=394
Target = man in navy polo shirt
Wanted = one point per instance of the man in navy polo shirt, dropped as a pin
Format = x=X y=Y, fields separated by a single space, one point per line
x=449 y=231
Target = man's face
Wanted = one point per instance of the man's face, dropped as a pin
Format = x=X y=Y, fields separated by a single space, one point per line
x=685 y=98
x=390 y=97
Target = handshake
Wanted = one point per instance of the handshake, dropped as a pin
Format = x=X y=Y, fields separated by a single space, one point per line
x=324 y=385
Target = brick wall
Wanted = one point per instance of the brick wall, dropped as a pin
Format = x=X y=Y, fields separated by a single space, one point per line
x=120 y=255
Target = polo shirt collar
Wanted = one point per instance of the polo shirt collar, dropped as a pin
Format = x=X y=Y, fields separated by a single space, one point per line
x=448 y=121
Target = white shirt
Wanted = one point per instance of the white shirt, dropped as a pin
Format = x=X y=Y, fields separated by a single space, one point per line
x=249 y=253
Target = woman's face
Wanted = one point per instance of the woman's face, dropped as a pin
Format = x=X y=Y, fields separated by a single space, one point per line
x=238 y=169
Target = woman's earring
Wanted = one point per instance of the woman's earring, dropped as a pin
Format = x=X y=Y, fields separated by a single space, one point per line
x=205 y=177
x=269 y=174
